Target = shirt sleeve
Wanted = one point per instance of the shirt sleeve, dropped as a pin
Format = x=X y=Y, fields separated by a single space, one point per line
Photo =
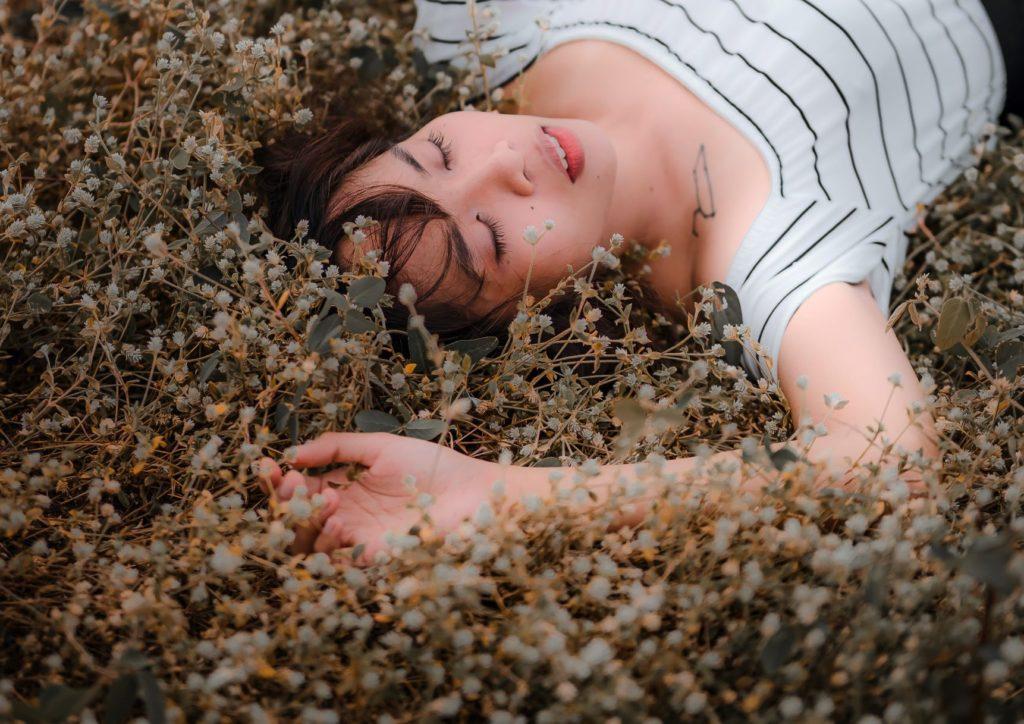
x=512 y=36
x=795 y=247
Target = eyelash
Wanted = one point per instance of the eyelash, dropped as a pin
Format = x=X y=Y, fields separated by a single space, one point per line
x=446 y=149
x=499 y=236
x=444 y=145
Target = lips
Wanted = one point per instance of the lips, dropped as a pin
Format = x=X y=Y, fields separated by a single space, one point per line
x=570 y=143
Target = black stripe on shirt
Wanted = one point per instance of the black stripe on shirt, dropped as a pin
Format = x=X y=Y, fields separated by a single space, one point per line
x=906 y=89
x=456 y=41
x=963 y=66
x=807 y=123
x=878 y=99
x=993 y=91
x=781 y=236
x=938 y=89
x=668 y=49
x=765 y=325
x=842 y=96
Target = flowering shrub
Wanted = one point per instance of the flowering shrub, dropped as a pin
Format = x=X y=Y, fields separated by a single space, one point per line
x=155 y=344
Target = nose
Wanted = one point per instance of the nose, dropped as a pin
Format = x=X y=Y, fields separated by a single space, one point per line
x=504 y=167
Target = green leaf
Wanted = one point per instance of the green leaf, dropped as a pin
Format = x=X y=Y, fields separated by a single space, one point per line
x=153 y=699
x=954 y=318
x=209 y=366
x=1011 y=333
x=631 y=413
x=477 y=348
x=418 y=349
x=117 y=705
x=133 y=659
x=357 y=322
x=332 y=300
x=777 y=649
x=358 y=551
x=282 y=413
x=373 y=65
x=235 y=201
x=1010 y=356
x=782 y=456
x=376 y=421
x=243 y=226
x=58 y=702
x=39 y=303
x=425 y=429
x=988 y=559
x=366 y=291
x=212 y=225
x=179 y=158
x=329 y=326
x=548 y=463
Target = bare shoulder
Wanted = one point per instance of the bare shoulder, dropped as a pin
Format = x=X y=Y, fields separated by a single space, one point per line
x=838 y=340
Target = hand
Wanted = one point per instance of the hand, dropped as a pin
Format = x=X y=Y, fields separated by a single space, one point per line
x=364 y=510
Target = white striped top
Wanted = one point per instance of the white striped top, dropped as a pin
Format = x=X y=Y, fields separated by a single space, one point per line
x=862 y=109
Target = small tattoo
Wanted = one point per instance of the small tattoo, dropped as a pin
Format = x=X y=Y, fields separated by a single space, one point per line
x=705 y=206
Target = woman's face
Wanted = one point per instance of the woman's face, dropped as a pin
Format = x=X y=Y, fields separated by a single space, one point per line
x=499 y=171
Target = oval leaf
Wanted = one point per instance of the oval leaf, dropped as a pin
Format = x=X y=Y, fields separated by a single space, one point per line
x=39 y=303
x=778 y=648
x=179 y=158
x=376 y=421
x=149 y=688
x=119 y=700
x=953 y=322
x=366 y=291
x=418 y=349
x=329 y=326
x=357 y=322
x=1010 y=356
x=477 y=349
x=208 y=367
x=425 y=429
x=548 y=463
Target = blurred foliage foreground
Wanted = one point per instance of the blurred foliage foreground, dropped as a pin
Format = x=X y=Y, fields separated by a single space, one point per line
x=154 y=344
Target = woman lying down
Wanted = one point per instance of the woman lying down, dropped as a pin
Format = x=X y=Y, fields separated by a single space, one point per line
x=786 y=154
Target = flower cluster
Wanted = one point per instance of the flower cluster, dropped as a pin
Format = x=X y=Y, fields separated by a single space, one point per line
x=154 y=344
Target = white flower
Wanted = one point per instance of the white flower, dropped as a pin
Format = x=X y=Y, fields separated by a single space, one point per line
x=407 y=294
x=549 y=224
x=530 y=235
x=224 y=560
x=801 y=382
x=303 y=116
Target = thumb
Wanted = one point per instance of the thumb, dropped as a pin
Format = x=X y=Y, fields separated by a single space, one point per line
x=342 y=447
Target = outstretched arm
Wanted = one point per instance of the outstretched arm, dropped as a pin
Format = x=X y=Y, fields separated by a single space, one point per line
x=837 y=339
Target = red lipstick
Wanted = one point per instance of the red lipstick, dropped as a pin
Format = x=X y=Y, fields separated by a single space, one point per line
x=573 y=148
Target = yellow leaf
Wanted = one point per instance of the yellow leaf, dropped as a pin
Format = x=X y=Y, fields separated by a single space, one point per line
x=409 y=368
x=138 y=466
x=265 y=670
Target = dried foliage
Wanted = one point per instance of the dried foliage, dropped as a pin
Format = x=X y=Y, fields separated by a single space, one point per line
x=154 y=345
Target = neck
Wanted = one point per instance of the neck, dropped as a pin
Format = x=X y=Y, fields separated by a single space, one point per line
x=655 y=198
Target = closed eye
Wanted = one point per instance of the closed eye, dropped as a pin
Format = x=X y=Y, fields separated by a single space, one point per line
x=497 y=235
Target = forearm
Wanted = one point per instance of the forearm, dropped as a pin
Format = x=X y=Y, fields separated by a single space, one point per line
x=833 y=450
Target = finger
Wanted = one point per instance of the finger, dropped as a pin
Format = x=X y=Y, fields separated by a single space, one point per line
x=306 y=535
x=293 y=479
x=270 y=473
x=332 y=536
x=341 y=447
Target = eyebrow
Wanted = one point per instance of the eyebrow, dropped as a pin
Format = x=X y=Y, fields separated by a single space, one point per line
x=404 y=155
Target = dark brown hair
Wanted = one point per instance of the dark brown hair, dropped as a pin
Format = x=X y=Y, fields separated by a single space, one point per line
x=300 y=177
